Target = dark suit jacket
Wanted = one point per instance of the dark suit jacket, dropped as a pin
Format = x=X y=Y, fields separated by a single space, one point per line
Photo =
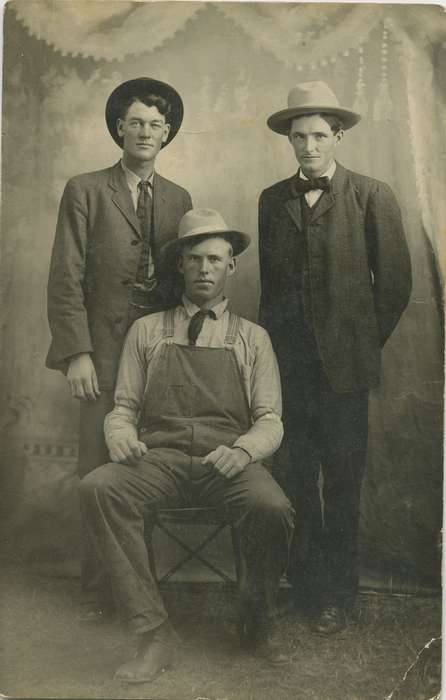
x=94 y=264
x=359 y=269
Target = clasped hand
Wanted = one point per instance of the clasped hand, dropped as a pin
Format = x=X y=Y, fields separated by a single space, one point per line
x=127 y=450
x=228 y=461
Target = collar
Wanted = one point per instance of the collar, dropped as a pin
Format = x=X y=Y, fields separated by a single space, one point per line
x=133 y=179
x=328 y=173
x=191 y=308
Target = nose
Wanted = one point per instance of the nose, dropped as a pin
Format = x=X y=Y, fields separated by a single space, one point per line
x=204 y=265
x=145 y=129
x=310 y=143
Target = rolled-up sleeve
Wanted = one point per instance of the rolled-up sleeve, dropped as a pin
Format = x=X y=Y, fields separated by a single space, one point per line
x=130 y=387
x=266 y=433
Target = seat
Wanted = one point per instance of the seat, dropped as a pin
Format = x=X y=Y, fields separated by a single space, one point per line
x=210 y=517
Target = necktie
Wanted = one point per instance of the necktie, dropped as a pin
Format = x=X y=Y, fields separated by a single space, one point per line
x=196 y=324
x=318 y=183
x=146 y=267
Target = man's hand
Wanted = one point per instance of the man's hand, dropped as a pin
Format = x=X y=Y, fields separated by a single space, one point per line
x=229 y=461
x=127 y=450
x=82 y=378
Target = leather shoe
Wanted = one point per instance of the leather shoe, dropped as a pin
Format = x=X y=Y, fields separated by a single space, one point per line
x=331 y=619
x=256 y=639
x=271 y=652
x=156 y=653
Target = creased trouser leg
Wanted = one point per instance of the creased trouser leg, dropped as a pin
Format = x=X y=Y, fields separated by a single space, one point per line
x=92 y=454
x=115 y=499
x=343 y=475
x=265 y=520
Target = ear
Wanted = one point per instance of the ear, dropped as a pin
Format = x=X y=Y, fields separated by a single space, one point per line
x=166 y=130
x=180 y=265
x=232 y=266
x=339 y=136
x=120 y=127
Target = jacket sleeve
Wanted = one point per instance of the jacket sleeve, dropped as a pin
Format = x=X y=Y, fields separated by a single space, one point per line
x=389 y=258
x=266 y=276
x=67 y=314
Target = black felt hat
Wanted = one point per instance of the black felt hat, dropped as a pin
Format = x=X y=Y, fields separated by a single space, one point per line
x=139 y=87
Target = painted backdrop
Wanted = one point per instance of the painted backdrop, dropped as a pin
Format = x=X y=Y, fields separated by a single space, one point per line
x=234 y=64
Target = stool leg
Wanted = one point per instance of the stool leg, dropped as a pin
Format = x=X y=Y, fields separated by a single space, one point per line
x=148 y=533
x=240 y=572
x=239 y=560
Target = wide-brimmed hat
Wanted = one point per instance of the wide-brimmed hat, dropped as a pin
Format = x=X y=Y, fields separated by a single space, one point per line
x=139 y=87
x=311 y=98
x=201 y=223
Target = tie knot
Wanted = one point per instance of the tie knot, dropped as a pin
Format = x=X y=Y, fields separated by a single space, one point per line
x=317 y=183
x=196 y=324
x=145 y=186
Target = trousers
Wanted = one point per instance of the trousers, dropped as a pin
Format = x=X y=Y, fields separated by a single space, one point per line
x=325 y=435
x=116 y=499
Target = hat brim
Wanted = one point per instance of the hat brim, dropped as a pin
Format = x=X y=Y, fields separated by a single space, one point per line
x=280 y=122
x=138 y=87
x=238 y=240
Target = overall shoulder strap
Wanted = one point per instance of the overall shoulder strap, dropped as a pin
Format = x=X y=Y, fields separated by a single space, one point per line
x=233 y=329
x=168 y=323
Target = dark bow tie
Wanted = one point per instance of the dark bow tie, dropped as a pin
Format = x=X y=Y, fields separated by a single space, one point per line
x=318 y=183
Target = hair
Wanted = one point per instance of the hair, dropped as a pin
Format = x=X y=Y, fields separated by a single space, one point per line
x=150 y=100
x=187 y=245
x=332 y=120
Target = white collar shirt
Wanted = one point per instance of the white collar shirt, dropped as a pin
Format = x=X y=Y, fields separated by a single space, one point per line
x=133 y=181
x=254 y=356
x=313 y=195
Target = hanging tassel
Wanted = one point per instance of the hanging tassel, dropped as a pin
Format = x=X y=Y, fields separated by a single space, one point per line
x=383 y=109
x=360 y=104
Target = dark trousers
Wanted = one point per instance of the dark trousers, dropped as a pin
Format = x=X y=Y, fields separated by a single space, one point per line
x=117 y=498
x=325 y=435
x=93 y=453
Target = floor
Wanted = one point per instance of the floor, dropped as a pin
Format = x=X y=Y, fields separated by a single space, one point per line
x=45 y=653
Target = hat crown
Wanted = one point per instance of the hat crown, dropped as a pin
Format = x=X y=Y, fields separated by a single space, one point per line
x=312 y=94
x=199 y=221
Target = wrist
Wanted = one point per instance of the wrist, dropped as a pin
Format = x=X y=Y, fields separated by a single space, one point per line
x=244 y=452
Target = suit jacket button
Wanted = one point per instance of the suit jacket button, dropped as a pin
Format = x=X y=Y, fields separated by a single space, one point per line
x=135 y=242
x=126 y=283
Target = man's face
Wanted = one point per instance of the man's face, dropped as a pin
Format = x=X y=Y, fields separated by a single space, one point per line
x=314 y=144
x=143 y=130
x=205 y=267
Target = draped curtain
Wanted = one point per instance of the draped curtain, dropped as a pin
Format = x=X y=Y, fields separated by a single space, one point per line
x=233 y=64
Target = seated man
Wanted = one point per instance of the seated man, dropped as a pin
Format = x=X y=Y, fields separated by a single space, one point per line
x=197 y=409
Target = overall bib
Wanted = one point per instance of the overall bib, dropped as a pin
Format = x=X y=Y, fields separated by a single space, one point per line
x=194 y=402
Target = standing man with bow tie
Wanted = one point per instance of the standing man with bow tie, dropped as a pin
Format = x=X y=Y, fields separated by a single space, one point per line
x=197 y=410
x=335 y=277
x=105 y=271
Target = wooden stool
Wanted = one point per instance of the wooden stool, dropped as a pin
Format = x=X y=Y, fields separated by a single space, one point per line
x=210 y=517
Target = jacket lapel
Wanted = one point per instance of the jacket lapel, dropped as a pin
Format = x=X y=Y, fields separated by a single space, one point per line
x=159 y=204
x=328 y=199
x=293 y=204
x=122 y=198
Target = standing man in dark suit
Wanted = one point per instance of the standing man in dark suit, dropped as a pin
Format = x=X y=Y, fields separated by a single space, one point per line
x=105 y=270
x=336 y=277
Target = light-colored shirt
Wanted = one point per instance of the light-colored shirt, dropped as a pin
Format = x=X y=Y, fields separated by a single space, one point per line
x=254 y=355
x=313 y=195
x=133 y=181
